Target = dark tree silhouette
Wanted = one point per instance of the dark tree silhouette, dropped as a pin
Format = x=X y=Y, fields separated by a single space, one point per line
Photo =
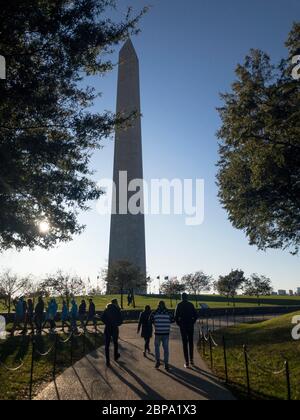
x=47 y=129
x=259 y=176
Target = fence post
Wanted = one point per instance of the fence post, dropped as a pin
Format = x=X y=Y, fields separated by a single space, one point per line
x=203 y=341
x=225 y=359
x=288 y=380
x=199 y=334
x=84 y=343
x=55 y=356
x=72 y=343
x=211 y=350
x=247 y=369
x=32 y=367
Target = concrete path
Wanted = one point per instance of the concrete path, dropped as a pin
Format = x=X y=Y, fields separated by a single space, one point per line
x=134 y=377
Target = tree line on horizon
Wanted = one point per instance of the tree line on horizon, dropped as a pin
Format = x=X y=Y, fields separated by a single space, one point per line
x=127 y=279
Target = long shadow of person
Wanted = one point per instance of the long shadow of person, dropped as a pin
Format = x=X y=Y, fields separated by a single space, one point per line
x=205 y=388
x=23 y=347
x=148 y=394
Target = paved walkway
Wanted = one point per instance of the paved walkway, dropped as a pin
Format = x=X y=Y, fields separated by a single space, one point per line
x=134 y=377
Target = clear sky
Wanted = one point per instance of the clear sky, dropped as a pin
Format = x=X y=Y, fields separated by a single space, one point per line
x=188 y=51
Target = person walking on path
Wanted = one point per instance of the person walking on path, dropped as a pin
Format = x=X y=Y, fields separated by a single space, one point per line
x=74 y=315
x=20 y=315
x=29 y=316
x=64 y=316
x=146 y=326
x=39 y=315
x=186 y=317
x=112 y=319
x=51 y=315
x=162 y=320
x=82 y=314
x=91 y=316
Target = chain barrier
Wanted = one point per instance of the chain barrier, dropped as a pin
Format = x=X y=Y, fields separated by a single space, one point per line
x=54 y=349
x=248 y=359
x=67 y=339
x=214 y=343
x=12 y=369
x=265 y=370
x=46 y=353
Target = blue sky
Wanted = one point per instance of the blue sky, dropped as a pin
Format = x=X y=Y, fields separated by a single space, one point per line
x=188 y=51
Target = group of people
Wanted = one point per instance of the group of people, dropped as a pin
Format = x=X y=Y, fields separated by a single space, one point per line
x=35 y=317
x=160 y=322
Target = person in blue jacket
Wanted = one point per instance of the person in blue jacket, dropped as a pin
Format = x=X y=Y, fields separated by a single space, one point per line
x=20 y=315
x=51 y=315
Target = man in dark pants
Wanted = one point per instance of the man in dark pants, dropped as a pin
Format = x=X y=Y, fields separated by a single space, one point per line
x=91 y=317
x=112 y=319
x=186 y=317
x=39 y=315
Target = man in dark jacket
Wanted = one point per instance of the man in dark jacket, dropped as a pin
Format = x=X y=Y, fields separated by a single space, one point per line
x=82 y=313
x=186 y=317
x=112 y=319
x=91 y=317
x=29 y=316
x=39 y=315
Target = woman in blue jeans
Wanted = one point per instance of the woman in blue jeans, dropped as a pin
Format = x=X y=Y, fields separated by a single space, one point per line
x=162 y=320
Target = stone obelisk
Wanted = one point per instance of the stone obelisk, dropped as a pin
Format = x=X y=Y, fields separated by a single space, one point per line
x=127 y=231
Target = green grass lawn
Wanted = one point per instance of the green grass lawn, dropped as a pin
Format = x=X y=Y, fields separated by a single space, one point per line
x=269 y=344
x=213 y=301
x=15 y=385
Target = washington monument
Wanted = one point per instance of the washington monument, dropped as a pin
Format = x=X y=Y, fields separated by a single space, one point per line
x=127 y=231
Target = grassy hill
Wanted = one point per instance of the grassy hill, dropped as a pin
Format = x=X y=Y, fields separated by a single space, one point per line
x=213 y=301
x=269 y=344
